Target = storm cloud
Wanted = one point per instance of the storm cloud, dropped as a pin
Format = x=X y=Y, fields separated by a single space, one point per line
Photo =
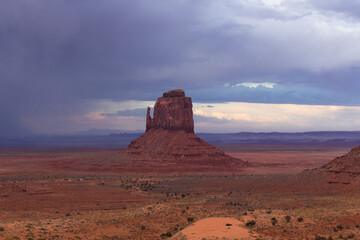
x=59 y=57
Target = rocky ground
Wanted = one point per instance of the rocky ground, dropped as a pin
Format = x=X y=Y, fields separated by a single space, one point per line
x=97 y=194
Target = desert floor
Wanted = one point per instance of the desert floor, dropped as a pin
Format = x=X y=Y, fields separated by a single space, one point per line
x=99 y=194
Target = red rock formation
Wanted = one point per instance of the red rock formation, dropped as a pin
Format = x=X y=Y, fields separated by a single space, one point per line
x=173 y=111
x=348 y=163
x=170 y=135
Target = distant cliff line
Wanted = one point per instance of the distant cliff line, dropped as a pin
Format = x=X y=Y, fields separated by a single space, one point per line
x=114 y=140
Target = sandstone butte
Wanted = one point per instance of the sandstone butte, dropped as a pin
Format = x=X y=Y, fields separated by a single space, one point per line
x=170 y=135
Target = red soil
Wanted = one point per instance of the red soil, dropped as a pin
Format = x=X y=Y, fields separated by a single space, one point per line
x=101 y=194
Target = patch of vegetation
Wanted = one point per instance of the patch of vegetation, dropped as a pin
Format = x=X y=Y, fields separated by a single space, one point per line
x=274 y=221
x=228 y=224
x=351 y=236
x=30 y=236
x=287 y=219
x=164 y=235
x=300 y=219
x=268 y=212
x=340 y=227
x=319 y=237
x=250 y=223
x=190 y=219
x=233 y=204
x=2 y=229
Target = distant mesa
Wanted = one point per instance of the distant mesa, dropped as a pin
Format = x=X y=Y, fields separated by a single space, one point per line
x=348 y=163
x=170 y=135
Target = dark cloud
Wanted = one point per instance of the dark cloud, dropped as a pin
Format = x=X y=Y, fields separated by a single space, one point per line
x=57 y=55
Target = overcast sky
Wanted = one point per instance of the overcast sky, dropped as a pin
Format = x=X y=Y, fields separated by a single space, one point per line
x=249 y=65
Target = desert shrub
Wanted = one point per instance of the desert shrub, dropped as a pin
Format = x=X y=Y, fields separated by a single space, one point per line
x=300 y=219
x=330 y=238
x=287 y=218
x=268 y=212
x=351 y=236
x=190 y=219
x=183 y=195
x=2 y=229
x=319 y=237
x=245 y=213
x=228 y=224
x=340 y=227
x=357 y=226
x=168 y=234
x=250 y=223
x=274 y=221
x=142 y=227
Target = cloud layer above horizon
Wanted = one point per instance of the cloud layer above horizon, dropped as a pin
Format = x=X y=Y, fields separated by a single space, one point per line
x=61 y=60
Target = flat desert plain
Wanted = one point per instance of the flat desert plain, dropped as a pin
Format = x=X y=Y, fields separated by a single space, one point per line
x=100 y=194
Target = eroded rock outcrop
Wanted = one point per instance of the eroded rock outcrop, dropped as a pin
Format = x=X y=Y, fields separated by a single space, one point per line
x=172 y=111
x=170 y=135
x=348 y=163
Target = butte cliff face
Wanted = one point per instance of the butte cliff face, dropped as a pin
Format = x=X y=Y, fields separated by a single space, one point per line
x=172 y=111
x=170 y=136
